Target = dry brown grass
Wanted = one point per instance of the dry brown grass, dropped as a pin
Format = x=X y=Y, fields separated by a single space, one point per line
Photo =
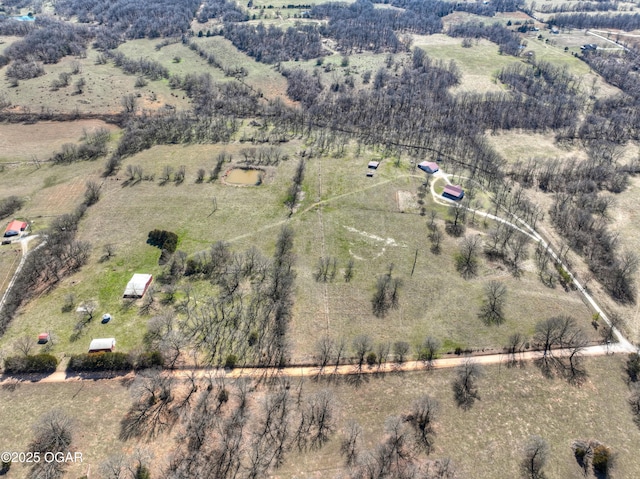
x=487 y=440
x=19 y=143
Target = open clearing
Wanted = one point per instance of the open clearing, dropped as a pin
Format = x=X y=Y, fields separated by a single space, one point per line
x=20 y=143
x=485 y=441
x=104 y=89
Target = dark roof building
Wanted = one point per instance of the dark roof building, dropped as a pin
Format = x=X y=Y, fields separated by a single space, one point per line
x=429 y=166
x=453 y=192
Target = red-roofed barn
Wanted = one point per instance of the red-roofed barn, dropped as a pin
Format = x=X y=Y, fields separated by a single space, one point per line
x=453 y=192
x=429 y=166
x=15 y=228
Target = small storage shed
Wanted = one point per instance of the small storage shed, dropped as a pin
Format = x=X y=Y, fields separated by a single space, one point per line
x=137 y=286
x=15 y=228
x=453 y=192
x=100 y=345
x=373 y=165
x=429 y=166
x=43 y=338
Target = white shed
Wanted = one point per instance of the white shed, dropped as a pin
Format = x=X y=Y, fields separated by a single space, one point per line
x=102 y=344
x=137 y=286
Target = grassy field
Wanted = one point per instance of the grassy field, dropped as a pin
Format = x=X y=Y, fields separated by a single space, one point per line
x=360 y=218
x=105 y=86
x=20 y=143
x=259 y=75
x=96 y=408
x=9 y=260
x=487 y=440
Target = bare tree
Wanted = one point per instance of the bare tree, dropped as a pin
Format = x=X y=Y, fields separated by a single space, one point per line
x=348 y=272
x=536 y=454
x=361 y=346
x=400 y=351
x=350 y=442
x=421 y=418
x=323 y=352
x=109 y=251
x=129 y=103
x=467 y=257
x=428 y=351
x=92 y=193
x=491 y=311
x=436 y=238
x=514 y=347
x=24 y=345
x=465 y=387
x=52 y=433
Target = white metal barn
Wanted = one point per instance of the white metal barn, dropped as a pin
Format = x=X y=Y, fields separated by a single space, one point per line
x=137 y=286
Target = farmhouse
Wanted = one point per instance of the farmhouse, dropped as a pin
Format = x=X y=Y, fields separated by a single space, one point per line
x=453 y=192
x=373 y=165
x=100 y=345
x=15 y=228
x=137 y=286
x=429 y=166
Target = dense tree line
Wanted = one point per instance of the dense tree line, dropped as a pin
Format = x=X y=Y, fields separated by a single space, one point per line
x=141 y=133
x=225 y=10
x=234 y=325
x=60 y=255
x=146 y=67
x=580 y=6
x=51 y=40
x=619 y=21
x=272 y=44
x=360 y=26
x=491 y=8
x=133 y=18
x=93 y=146
x=509 y=42
x=9 y=205
x=13 y=27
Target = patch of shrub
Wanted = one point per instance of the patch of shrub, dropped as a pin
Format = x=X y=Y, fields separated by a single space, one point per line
x=162 y=239
x=37 y=363
x=231 y=361
x=148 y=359
x=371 y=358
x=10 y=205
x=103 y=361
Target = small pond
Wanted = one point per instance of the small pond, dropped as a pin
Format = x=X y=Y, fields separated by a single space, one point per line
x=240 y=176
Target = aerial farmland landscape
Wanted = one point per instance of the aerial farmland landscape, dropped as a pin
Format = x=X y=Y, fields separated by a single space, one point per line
x=350 y=240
